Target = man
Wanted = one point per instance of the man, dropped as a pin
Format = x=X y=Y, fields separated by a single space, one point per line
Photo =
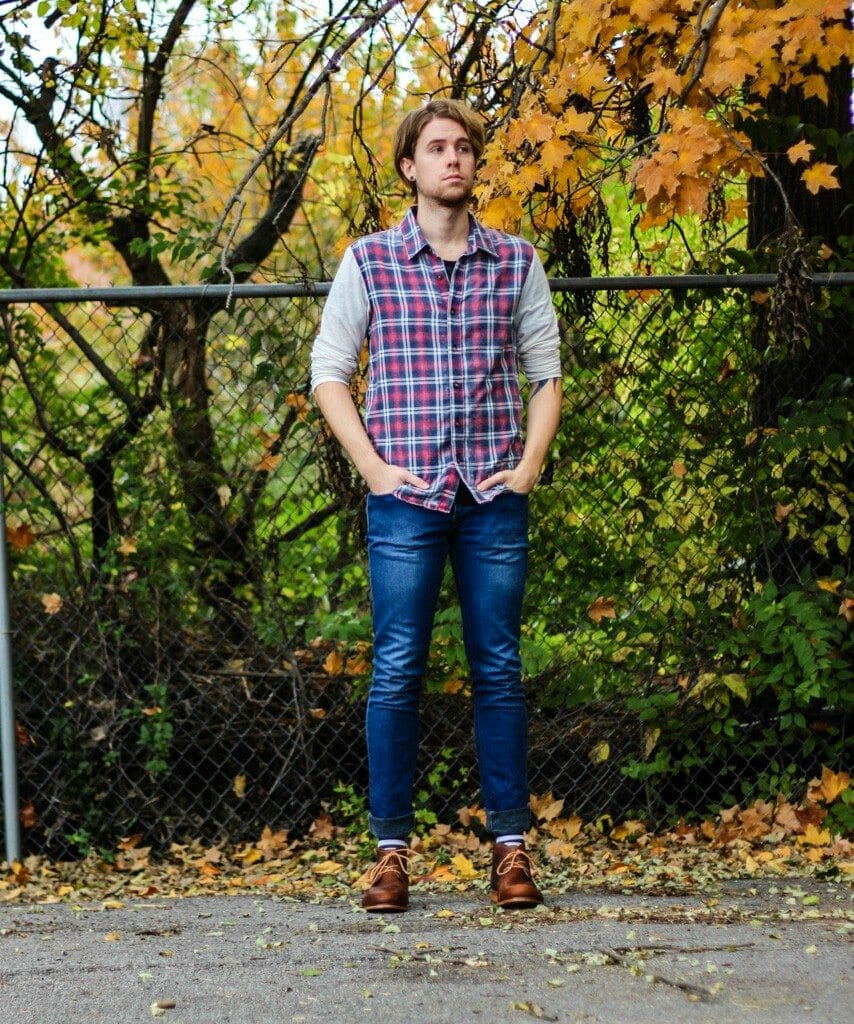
x=450 y=309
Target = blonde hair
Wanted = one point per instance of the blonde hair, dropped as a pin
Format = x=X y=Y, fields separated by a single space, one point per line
x=406 y=136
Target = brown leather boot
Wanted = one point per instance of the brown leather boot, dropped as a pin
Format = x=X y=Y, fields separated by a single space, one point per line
x=389 y=878
x=512 y=883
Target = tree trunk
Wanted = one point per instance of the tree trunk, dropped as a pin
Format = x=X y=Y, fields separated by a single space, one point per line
x=222 y=541
x=799 y=352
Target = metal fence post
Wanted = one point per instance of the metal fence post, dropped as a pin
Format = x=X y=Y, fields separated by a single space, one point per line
x=7 y=705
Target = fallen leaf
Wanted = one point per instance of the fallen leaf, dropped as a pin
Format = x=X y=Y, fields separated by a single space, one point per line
x=535 y=1010
x=238 y=786
x=627 y=829
x=463 y=866
x=327 y=867
x=112 y=937
x=545 y=807
x=829 y=787
x=813 y=836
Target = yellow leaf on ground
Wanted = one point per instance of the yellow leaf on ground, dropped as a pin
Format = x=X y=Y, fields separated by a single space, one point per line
x=632 y=827
x=463 y=866
x=545 y=807
x=327 y=867
x=829 y=786
x=814 y=836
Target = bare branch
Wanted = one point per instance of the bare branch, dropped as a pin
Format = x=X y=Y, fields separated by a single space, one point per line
x=152 y=78
x=702 y=44
x=331 y=66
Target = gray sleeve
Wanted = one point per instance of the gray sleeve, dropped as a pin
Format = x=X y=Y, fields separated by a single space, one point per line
x=537 y=337
x=343 y=325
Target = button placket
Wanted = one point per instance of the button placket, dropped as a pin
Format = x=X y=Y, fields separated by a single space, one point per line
x=457 y=373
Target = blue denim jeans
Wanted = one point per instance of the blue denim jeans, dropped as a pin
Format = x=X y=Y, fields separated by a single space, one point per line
x=407 y=550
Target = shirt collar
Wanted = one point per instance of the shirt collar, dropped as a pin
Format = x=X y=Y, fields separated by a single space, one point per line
x=414 y=241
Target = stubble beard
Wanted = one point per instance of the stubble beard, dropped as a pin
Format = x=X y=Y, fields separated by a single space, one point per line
x=453 y=202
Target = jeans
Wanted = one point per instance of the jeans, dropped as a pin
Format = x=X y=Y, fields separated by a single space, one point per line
x=407 y=549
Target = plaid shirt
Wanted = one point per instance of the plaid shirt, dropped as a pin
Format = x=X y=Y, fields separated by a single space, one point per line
x=443 y=395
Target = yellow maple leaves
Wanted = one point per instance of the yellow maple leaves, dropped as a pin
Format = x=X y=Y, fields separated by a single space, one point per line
x=830 y=786
x=699 y=66
x=819 y=176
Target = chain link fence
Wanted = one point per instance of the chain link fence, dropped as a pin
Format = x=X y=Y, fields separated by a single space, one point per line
x=188 y=592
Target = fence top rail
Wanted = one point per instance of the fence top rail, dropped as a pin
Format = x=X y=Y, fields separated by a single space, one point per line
x=308 y=289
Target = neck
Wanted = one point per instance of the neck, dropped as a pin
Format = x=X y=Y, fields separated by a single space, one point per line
x=446 y=228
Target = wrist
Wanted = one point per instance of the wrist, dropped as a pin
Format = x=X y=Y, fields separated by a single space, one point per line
x=529 y=470
x=373 y=472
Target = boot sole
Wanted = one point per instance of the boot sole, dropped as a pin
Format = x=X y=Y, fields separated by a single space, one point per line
x=515 y=901
x=386 y=908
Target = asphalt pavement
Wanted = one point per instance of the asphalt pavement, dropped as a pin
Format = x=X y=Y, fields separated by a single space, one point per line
x=748 y=953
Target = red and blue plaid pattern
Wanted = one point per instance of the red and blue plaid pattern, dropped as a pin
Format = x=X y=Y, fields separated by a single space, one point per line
x=443 y=395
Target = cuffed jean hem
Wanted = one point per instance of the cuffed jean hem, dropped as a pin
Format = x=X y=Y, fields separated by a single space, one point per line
x=513 y=822
x=392 y=828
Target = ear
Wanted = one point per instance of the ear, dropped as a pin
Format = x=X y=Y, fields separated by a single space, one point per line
x=408 y=168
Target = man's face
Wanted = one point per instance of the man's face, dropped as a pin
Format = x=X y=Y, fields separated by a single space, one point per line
x=443 y=163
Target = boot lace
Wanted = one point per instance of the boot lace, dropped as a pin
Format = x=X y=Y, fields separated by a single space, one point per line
x=395 y=861
x=518 y=858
